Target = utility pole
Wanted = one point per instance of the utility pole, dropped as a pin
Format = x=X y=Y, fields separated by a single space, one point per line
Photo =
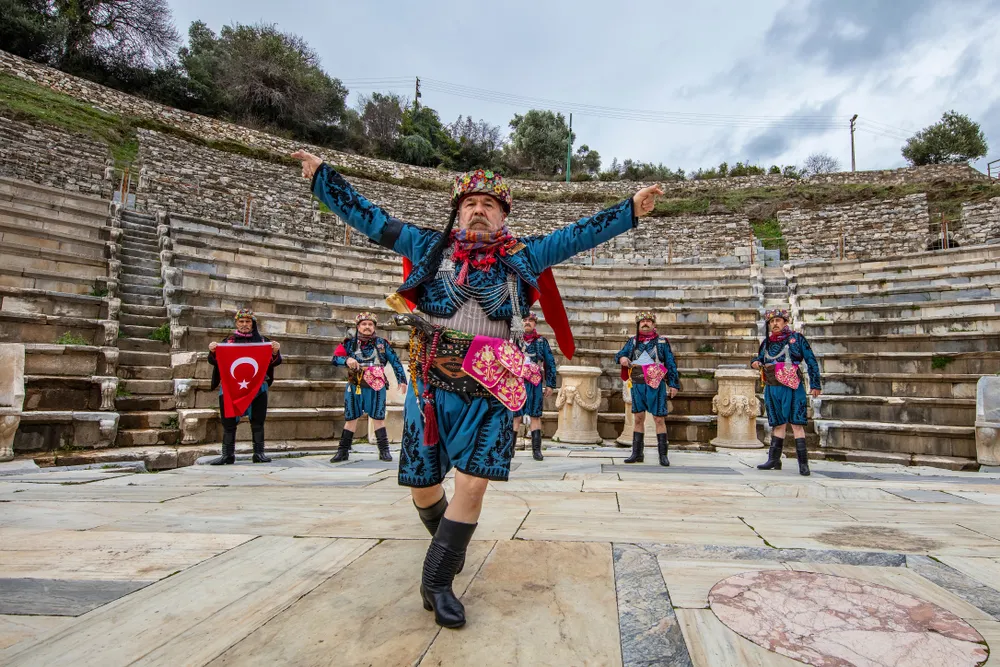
x=569 y=146
x=854 y=119
x=416 y=96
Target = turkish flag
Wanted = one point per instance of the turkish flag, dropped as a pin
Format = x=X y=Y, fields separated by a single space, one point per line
x=242 y=369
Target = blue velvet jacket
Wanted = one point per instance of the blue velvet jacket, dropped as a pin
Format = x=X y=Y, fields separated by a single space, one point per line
x=539 y=351
x=386 y=355
x=799 y=350
x=660 y=347
x=427 y=247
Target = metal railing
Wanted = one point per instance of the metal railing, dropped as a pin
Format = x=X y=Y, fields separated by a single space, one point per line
x=993 y=169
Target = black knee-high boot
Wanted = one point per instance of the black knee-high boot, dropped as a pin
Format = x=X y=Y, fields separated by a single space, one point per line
x=431 y=518
x=446 y=552
x=662 y=447
x=344 y=450
x=637 y=446
x=773 y=454
x=228 y=450
x=382 y=440
x=536 y=445
x=803 y=455
x=257 y=432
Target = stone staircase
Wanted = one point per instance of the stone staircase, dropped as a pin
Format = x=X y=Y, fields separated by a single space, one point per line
x=146 y=395
x=775 y=288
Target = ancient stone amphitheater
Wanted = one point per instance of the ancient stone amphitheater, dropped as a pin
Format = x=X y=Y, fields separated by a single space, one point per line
x=115 y=284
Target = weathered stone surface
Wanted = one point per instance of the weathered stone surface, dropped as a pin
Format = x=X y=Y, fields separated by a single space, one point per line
x=11 y=395
x=60 y=597
x=737 y=407
x=577 y=401
x=988 y=420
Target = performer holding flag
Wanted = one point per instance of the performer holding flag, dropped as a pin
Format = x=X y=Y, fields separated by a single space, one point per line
x=366 y=356
x=647 y=360
x=244 y=364
x=473 y=283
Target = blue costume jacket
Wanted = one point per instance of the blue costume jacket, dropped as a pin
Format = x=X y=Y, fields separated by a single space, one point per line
x=785 y=405
x=427 y=247
x=538 y=350
x=658 y=348
x=384 y=353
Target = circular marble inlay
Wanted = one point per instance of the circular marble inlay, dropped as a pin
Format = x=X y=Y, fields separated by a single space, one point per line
x=832 y=621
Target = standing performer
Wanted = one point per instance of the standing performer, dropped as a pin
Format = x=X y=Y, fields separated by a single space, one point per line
x=779 y=357
x=246 y=332
x=366 y=356
x=646 y=360
x=474 y=282
x=538 y=351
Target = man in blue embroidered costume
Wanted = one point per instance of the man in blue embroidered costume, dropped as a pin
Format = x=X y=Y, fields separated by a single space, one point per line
x=366 y=356
x=246 y=332
x=779 y=357
x=647 y=360
x=538 y=351
x=474 y=282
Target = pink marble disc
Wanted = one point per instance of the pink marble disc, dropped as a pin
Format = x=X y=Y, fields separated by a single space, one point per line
x=832 y=621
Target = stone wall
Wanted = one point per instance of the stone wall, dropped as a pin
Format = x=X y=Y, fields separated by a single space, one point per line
x=980 y=223
x=57 y=159
x=210 y=128
x=870 y=229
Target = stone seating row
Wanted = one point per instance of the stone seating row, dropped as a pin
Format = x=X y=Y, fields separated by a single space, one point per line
x=895 y=265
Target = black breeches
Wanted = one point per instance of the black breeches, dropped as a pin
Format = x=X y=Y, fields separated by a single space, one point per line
x=258 y=413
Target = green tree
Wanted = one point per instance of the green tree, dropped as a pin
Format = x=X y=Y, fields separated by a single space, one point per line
x=28 y=29
x=477 y=145
x=425 y=123
x=740 y=169
x=539 y=142
x=202 y=62
x=114 y=33
x=647 y=171
x=586 y=162
x=381 y=118
x=414 y=149
x=954 y=139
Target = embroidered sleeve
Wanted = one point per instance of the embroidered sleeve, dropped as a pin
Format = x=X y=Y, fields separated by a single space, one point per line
x=760 y=352
x=340 y=197
x=550 y=363
x=815 y=379
x=582 y=235
x=626 y=351
x=397 y=365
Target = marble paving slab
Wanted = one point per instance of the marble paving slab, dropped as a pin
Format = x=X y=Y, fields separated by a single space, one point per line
x=53 y=515
x=689 y=581
x=907 y=538
x=60 y=597
x=597 y=527
x=69 y=477
x=538 y=603
x=106 y=555
x=249 y=520
x=843 y=474
x=197 y=614
x=981 y=497
x=712 y=644
x=800 y=489
x=669 y=488
x=984 y=570
x=94 y=493
x=990 y=630
x=650 y=634
x=345 y=620
x=401 y=522
x=723 y=553
x=18 y=629
x=975 y=593
x=929 y=496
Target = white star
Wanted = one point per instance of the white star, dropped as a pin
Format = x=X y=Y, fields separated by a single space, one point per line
x=244 y=384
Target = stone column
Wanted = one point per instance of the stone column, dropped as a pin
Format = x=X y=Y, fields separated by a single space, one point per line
x=577 y=403
x=629 y=427
x=11 y=395
x=737 y=407
x=988 y=420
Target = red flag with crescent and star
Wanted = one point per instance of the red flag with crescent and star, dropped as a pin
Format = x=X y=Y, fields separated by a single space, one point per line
x=242 y=370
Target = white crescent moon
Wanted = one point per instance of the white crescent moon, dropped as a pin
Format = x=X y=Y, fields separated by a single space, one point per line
x=243 y=360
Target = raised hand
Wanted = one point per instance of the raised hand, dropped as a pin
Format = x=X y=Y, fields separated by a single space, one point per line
x=310 y=162
x=644 y=200
x=212 y=346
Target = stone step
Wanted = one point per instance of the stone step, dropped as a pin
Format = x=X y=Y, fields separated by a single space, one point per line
x=141 y=271
x=963 y=363
x=147 y=311
x=141 y=281
x=921 y=296
x=141 y=236
x=143 y=345
x=139 y=229
x=147 y=437
x=137 y=358
x=898 y=410
x=134 y=218
x=147 y=387
x=53 y=197
x=923 y=439
x=140 y=243
x=955 y=323
x=147 y=290
x=973 y=341
x=142 y=300
x=136 y=331
x=141 y=254
x=148 y=321
x=901 y=384
x=145 y=403
x=158 y=420
x=145 y=372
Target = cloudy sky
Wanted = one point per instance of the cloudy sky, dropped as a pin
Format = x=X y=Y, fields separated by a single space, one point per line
x=688 y=84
